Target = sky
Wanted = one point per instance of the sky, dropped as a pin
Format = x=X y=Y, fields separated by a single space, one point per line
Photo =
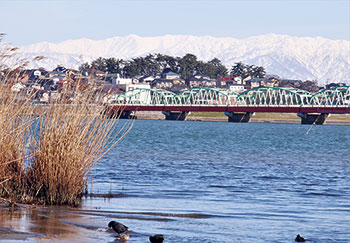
x=30 y=21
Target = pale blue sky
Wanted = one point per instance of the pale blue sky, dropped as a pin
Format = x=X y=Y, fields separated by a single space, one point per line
x=30 y=21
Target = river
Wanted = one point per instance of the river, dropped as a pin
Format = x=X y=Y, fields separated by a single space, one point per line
x=214 y=182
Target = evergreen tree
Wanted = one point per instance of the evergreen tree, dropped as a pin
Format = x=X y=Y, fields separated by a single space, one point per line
x=239 y=70
x=99 y=64
x=220 y=69
x=188 y=64
x=243 y=70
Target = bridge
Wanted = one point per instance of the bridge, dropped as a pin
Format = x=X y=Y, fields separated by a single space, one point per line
x=312 y=108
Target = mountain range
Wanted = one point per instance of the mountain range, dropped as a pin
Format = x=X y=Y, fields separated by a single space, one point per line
x=305 y=58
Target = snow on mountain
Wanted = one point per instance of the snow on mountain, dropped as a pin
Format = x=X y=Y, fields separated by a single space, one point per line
x=289 y=57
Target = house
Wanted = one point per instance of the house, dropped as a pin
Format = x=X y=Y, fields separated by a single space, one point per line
x=123 y=81
x=269 y=83
x=170 y=75
x=18 y=87
x=201 y=76
x=162 y=83
x=290 y=83
x=253 y=83
x=334 y=85
x=137 y=86
x=136 y=79
x=148 y=78
x=197 y=81
x=238 y=88
x=223 y=82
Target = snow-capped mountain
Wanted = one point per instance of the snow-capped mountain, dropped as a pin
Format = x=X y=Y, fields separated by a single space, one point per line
x=289 y=57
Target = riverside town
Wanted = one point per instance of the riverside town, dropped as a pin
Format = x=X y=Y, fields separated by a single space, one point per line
x=157 y=71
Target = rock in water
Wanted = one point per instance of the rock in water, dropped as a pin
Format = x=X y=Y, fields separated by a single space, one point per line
x=299 y=239
x=156 y=238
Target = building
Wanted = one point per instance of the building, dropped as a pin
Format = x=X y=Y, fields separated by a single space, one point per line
x=201 y=81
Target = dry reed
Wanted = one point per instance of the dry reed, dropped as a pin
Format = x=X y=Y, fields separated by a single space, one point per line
x=47 y=159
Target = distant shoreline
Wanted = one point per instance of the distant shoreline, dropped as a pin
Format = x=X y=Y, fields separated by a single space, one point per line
x=333 y=119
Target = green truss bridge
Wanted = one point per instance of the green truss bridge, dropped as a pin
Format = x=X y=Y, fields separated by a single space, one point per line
x=313 y=108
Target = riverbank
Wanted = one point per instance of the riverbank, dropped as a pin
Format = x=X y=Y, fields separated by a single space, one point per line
x=336 y=119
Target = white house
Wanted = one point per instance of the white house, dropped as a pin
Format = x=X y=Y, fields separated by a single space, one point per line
x=171 y=75
x=18 y=87
x=137 y=86
x=122 y=81
x=238 y=88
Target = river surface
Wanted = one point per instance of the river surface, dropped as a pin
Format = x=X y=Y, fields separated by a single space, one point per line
x=215 y=182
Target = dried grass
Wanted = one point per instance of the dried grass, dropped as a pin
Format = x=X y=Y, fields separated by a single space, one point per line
x=47 y=159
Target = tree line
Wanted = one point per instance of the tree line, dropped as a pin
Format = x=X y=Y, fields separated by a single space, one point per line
x=186 y=66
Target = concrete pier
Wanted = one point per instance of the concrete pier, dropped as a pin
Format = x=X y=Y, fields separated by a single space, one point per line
x=175 y=116
x=316 y=119
x=122 y=114
x=239 y=116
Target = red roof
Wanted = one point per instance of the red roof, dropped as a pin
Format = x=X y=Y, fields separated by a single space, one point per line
x=227 y=78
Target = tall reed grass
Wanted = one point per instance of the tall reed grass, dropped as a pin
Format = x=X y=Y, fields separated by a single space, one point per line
x=47 y=158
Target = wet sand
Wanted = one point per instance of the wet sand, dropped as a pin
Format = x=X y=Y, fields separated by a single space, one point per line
x=39 y=224
x=69 y=224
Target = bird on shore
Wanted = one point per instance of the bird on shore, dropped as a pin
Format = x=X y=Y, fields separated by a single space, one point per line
x=118 y=227
x=299 y=239
x=156 y=238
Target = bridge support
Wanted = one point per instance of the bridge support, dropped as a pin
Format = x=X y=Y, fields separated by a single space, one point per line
x=122 y=114
x=176 y=116
x=317 y=119
x=239 y=116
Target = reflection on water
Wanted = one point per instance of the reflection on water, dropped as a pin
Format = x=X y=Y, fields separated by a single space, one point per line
x=210 y=182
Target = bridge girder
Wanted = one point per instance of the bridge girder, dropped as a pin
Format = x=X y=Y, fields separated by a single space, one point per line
x=339 y=96
x=146 y=97
x=274 y=96
x=261 y=96
x=205 y=96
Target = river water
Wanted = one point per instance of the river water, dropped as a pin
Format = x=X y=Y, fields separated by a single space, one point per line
x=217 y=182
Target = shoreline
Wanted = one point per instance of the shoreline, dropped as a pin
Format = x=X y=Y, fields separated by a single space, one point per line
x=288 y=118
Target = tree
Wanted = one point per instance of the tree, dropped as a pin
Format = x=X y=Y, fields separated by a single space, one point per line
x=257 y=72
x=85 y=67
x=166 y=61
x=112 y=65
x=188 y=65
x=99 y=64
x=243 y=70
x=220 y=69
x=239 y=70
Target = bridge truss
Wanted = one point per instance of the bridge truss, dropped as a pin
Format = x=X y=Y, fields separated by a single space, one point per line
x=257 y=97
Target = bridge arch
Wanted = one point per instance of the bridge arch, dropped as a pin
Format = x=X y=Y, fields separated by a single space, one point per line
x=274 y=96
x=146 y=97
x=205 y=96
x=339 y=96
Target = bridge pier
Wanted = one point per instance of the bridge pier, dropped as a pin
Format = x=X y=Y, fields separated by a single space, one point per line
x=175 y=116
x=317 y=119
x=239 y=116
x=122 y=114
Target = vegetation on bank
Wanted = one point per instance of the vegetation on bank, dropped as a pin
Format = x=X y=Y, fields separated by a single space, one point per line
x=47 y=159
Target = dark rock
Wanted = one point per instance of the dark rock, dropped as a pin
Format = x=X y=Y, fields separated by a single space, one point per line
x=299 y=239
x=156 y=238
